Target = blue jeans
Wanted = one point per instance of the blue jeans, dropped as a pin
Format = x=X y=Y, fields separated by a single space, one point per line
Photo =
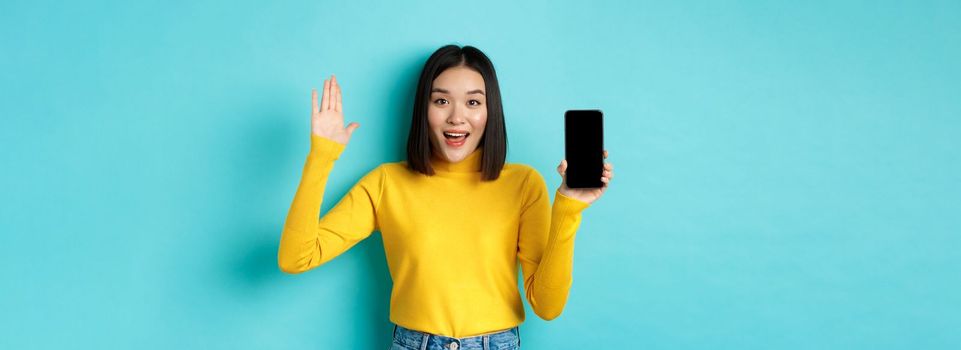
x=409 y=339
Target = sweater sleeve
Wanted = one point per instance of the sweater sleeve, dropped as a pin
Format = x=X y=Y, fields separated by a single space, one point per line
x=307 y=242
x=546 y=246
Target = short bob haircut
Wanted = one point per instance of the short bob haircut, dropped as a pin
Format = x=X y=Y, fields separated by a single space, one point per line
x=494 y=140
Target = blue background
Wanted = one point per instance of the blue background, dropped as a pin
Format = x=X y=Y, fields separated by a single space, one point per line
x=787 y=175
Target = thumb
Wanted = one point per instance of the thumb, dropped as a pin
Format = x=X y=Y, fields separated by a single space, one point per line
x=562 y=168
x=351 y=127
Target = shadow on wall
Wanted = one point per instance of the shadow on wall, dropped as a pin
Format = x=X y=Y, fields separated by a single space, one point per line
x=263 y=147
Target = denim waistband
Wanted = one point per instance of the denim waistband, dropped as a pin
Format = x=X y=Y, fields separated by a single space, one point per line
x=415 y=339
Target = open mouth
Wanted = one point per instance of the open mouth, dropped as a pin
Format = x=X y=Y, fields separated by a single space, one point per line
x=456 y=138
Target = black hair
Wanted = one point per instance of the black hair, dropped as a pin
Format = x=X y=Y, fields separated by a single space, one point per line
x=494 y=140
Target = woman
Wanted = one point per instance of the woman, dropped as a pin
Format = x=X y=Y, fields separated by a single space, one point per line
x=455 y=219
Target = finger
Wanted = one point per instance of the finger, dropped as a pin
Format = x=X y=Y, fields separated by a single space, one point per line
x=562 y=168
x=325 y=101
x=608 y=166
x=608 y=174
x=337 y=100
x=605 y=180
x=351 y=127
x=333 y=92
x=313 y=101
x=605 y=154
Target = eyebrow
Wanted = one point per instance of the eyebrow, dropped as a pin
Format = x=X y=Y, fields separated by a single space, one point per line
x=444 y=91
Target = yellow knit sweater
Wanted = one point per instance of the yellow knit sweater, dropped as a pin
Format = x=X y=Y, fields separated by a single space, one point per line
x=452 y=241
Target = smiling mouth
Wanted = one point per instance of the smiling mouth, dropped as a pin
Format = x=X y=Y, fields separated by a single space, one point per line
x=455 y=137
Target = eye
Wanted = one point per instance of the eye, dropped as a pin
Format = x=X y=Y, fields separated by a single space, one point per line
x=474 y=102
x=440 y=101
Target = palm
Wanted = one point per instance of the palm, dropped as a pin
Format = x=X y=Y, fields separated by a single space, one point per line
x=327 y=117
x=587 y=195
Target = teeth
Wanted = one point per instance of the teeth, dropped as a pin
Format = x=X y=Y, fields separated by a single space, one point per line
x=454 y=135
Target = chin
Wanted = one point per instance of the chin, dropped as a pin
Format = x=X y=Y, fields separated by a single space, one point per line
x=455 y=155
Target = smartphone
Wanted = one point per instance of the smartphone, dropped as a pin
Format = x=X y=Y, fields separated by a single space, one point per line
x=584 y=148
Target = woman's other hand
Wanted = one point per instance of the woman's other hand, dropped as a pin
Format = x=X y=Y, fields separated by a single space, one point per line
x=327 y=117
x=587 y=195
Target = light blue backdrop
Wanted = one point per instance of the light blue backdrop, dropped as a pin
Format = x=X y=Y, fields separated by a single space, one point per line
x=787 y=175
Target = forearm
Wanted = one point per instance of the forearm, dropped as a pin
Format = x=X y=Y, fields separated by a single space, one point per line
x=554 y=275
x=299 y=243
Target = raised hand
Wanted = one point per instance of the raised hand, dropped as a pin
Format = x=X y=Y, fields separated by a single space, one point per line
x=327 y=117
x=587 y=195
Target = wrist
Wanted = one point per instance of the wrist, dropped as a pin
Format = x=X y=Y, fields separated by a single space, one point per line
x=572 y=202
x=320 y=145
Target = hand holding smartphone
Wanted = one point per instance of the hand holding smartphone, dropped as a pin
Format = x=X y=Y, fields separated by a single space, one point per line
x=584 y=148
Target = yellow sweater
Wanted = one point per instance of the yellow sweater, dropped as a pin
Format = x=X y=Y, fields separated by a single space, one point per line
x=452 y=241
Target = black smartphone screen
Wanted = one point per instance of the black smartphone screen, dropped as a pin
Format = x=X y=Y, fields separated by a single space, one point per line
x=584 y=148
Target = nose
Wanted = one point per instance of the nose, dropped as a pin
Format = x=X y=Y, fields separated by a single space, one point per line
x=456 y=116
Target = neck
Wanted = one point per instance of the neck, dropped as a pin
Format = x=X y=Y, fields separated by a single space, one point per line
x=470 y=164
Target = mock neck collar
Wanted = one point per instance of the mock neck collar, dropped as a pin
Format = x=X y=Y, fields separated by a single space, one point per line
x=469 y=164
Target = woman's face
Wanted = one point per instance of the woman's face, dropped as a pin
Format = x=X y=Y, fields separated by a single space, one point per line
x=457 y=113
